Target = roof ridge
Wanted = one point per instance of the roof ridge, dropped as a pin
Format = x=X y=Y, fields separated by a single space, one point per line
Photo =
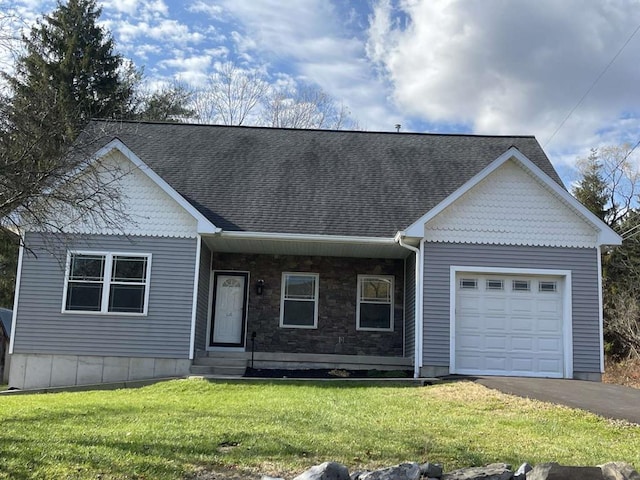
x=317 y=130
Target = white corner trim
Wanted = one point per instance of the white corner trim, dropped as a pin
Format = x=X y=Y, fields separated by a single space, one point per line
x=600 y=309
x=204 y=225
x=567 y=308
x=194 y=302
x=14 y=317
x=420 y=318
x=606 y=236
x=418 y=323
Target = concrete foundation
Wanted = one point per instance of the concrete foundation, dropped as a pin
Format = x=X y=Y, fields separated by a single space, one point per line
x=31 y=370
x=429 y=371
x=589 y=376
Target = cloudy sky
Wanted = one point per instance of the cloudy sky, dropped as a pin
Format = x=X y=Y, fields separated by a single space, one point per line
x=565 y=71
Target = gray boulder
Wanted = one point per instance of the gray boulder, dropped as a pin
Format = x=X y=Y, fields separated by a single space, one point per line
x=325 y=471
x=404 y=471
x=521 y=473
x=555 y=471
x=431 y=470
x=619 y=471
x=358 y=475
x=495 y=471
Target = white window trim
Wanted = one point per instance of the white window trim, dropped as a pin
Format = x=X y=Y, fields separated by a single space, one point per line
x=316 y=299
x=358 y=301
x=108 y=265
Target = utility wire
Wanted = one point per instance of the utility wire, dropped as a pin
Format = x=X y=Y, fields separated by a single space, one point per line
x=592 y=86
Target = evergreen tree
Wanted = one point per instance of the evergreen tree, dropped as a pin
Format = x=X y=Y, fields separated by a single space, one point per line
x=169 y=104
x=69 y=74
x=591 y=190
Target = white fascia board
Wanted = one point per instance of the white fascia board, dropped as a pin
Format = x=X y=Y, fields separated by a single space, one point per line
x=204 y=225
x=298 y=237
x=606 y=235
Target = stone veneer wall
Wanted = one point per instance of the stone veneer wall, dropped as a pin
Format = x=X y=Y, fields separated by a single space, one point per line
x=336 y=332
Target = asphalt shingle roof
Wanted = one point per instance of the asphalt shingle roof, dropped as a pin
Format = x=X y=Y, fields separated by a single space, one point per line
x=313 y=181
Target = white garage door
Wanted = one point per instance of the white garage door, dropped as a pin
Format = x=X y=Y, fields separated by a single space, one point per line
x=508 y=325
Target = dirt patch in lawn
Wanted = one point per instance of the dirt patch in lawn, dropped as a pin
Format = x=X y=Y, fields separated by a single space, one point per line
x=624 y=372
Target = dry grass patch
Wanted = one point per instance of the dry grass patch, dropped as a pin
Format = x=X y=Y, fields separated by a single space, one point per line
x=624 y=372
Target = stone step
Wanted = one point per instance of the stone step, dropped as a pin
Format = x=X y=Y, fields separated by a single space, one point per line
x=218 y=371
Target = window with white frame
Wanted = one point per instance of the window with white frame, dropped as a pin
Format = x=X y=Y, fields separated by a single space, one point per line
x=107 y=283
x=375 y=302
x=299 y=301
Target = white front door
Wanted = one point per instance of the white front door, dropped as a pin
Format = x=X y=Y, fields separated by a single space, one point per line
x=229 y=307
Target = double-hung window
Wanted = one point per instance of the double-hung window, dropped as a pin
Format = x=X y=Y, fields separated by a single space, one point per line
x=107 y=283
x=299 y=301
x=375 y=303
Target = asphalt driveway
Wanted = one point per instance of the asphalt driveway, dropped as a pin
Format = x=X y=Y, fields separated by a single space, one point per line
x=611 y=401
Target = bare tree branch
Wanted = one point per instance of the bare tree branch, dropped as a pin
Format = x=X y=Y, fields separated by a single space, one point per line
x=230 y=96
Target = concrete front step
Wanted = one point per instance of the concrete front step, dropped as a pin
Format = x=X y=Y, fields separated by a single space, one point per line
x=218 y=370
x=236 y=361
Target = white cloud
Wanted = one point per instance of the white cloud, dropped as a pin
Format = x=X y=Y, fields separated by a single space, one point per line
x=512 y=67
x=192 y=70
x=212 y=10
x=130 y=7
x=311 y=37
x=166 y=31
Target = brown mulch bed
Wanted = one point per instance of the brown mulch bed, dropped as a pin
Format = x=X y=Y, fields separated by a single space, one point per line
x=622 y=372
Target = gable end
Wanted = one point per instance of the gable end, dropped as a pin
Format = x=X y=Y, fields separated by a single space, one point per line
x=512 y=207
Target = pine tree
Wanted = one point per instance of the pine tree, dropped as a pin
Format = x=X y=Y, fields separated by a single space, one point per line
x=69 y=74
x=591 y=190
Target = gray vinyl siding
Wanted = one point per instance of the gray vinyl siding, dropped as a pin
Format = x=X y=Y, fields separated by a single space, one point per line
x=409 y=306
x=202 y=312
x=583 y=263
x=163 y=333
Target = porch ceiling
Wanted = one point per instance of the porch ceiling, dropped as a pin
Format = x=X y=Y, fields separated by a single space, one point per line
x=326 y=246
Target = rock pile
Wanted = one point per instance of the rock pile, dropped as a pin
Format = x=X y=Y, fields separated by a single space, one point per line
x=495 y=471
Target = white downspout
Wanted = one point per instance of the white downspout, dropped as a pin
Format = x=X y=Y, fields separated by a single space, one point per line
x=417 y=338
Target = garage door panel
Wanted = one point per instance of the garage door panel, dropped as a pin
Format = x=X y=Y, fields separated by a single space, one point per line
x=522 y=364
x=469 y=304
x=496 y=363
x=522 y=324
x=469 y=362
x=526 y=344
x=549 y=345
x=493 y=342
x=509 y=331
x=548 y=306
x=495 y=323
x=549 y=366
x=494 y=304
x=521 y=305
x=548 y=326
x=471 y=341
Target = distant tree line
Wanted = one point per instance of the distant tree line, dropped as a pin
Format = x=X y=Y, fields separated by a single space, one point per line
x=609 y=187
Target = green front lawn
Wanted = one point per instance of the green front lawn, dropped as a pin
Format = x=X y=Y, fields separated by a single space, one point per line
x=169 y=429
